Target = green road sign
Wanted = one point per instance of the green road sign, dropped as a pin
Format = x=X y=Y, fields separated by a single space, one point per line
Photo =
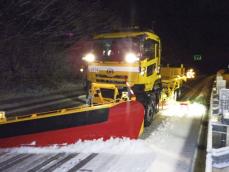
x=197 y=57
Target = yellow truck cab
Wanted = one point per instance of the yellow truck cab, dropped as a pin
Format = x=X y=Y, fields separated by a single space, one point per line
x=130 y=60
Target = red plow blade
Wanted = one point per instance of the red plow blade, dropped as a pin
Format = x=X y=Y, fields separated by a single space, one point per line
x=124 y=119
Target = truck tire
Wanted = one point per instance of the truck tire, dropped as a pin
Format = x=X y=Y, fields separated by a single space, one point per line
x=150 y=109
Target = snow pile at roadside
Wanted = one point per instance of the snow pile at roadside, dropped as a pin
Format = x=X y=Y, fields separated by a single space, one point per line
x=113 y=146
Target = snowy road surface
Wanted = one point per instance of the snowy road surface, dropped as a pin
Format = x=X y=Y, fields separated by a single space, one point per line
x=169 y=145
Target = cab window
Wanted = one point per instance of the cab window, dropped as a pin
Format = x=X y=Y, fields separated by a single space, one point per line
x=149 y=49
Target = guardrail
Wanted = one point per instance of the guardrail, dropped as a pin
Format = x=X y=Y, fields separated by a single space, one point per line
x=218 y=128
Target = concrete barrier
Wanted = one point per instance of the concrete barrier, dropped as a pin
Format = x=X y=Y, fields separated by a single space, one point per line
x=217 y=158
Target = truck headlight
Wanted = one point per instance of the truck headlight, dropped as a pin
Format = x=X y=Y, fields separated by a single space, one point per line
x=89 y=57
x=131 y=58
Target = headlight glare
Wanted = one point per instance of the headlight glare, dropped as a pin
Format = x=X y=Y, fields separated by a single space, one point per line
x=190 y=74
x=89 y=57
x=131 y=58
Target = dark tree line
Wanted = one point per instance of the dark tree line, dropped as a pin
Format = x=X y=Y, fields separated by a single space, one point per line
x=35 y=36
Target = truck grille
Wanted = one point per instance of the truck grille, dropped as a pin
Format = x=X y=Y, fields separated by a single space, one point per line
x=114 y=77
x=117 y=79
x=110 y=81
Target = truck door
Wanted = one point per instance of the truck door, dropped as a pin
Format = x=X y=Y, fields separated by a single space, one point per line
x=152 y=54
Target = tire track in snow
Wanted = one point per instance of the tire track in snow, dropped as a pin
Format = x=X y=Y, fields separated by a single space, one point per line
x=61 y=162
x=14 y=161
x=44 y=163
x=83 y=162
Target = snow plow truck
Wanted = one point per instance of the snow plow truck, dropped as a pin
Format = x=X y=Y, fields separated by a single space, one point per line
x=124 y=81
x=131 y=60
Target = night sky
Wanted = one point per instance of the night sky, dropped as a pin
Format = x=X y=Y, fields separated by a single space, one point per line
x=186 y=28
x=35 y=30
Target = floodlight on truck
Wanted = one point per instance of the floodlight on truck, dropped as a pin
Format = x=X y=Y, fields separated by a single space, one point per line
x=89 y=57
x=190 y=73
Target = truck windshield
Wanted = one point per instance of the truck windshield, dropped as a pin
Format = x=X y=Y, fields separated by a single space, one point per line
x=115 y=49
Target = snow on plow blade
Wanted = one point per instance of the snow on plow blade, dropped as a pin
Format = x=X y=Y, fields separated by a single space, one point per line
x=122 y=119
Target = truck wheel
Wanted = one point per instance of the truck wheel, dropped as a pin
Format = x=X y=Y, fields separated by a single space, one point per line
x=150 y=109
